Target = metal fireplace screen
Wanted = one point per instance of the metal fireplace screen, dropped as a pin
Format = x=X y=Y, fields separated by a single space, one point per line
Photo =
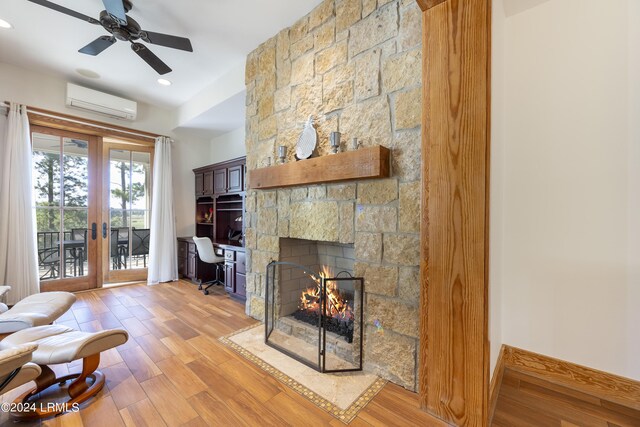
x=314 y=318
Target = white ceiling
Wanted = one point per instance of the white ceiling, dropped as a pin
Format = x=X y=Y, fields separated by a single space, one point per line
x=222 y=33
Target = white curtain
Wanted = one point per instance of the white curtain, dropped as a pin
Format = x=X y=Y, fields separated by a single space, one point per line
x=18 y=253
x=163 y=260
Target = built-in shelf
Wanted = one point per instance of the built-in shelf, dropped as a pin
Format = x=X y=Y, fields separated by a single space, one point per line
x=365 y=163
x=230 y=210
x=205 y=223
x=205 y=203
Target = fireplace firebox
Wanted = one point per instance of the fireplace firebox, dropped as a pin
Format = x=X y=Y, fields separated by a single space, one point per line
x=315 y=317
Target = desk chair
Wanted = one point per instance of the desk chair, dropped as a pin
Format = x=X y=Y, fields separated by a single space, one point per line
x=208 y=255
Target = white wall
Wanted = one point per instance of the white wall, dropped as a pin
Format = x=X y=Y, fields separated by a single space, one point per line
x=566 y=209
x=228 y=146
x=187 y=155
x=48 y=92
x=633 y=260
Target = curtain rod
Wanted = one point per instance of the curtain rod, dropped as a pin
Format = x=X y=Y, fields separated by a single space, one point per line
x=79 y=121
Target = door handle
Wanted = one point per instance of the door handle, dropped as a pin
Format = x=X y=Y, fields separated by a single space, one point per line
x=104 y=230
x=94 y=231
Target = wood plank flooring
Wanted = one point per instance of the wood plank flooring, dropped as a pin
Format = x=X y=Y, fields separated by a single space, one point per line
x=174 y=372
x=525 y=401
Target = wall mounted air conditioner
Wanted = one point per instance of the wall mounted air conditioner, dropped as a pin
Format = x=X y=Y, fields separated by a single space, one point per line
x=101 y=103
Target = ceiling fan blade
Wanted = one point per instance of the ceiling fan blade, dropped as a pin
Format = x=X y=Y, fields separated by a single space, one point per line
x=115 y=8
x=66 y=11
x=98 y=45
x=160 y=39
x=150 y=58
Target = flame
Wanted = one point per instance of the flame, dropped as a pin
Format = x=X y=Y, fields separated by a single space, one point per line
x=337 y=306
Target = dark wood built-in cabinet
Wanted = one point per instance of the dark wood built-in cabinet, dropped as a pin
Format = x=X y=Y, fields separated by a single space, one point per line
x=219 y=216
x=234 y=178
x=204 y=183
x=220 y=181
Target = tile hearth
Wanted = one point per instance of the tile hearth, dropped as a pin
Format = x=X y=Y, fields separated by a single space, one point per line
x=342 y=395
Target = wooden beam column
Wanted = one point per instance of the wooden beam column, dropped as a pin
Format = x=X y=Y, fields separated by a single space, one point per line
x=454 y=351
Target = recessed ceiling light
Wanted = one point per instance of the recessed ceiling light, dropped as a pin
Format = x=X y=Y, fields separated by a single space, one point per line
x=164 y=82
x=5 y=24
x=87 y=73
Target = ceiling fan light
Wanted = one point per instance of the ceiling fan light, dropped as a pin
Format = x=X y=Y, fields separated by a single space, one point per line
x=164 y=82
x=5 y=24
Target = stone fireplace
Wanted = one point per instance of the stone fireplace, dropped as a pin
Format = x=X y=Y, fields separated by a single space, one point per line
x=356 y=66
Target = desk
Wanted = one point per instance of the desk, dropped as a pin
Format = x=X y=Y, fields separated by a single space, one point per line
x=190 y=266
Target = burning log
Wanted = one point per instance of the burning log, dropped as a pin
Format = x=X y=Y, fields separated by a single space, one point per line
x=338 y=316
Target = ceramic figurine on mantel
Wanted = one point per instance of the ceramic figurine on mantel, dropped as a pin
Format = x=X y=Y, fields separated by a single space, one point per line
x=307 y=141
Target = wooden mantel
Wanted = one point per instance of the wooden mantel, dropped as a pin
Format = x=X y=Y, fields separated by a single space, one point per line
x=365 y=163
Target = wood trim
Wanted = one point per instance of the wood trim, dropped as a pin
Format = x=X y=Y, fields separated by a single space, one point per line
x=496 y=382
x=91 y=280
x=39 y=116
x=67 y=285
x=232 y=162
x=365 y=163
x=428 y=4
x=454 y=370
x=617 y=389
x=106 y=274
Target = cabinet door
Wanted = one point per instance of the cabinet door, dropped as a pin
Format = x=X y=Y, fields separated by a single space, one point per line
x=241 y=284
x=207 y=183
x=182 y=267
x=241 y=262
x=229 y=276
x=182 y=258
x=235 y=179
x=199 y=184
x=191 y=265
x=220 y=181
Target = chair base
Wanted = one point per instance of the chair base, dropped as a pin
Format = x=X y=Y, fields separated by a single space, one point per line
x=209 y=284
x=214 y=282
x=84 y=386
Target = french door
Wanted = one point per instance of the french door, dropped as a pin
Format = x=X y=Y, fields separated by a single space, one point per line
x=92 y=201
x=65 y=173
x=126 y=210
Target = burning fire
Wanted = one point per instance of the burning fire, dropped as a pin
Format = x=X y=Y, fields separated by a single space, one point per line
x=337 y=306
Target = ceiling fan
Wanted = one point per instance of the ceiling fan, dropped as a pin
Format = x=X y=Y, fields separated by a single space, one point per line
x=125 y=28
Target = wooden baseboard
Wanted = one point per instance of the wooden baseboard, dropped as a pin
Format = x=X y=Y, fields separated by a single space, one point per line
x=614 y=388
x=496 y=382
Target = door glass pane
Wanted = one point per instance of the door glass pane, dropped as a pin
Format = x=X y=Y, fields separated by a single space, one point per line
x=76 y=224
x=48 y=234
x=76 y=172
x=130 y=207
x=46 y=169
x=75 y=175
x=140 y=178
x=61 y=197
x=120 y=181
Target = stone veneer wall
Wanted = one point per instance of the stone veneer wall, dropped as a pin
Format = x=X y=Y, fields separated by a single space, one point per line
x=356 y=66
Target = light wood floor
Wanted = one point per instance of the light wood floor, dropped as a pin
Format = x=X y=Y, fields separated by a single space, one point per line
x=525 y=401
x=174 y=372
